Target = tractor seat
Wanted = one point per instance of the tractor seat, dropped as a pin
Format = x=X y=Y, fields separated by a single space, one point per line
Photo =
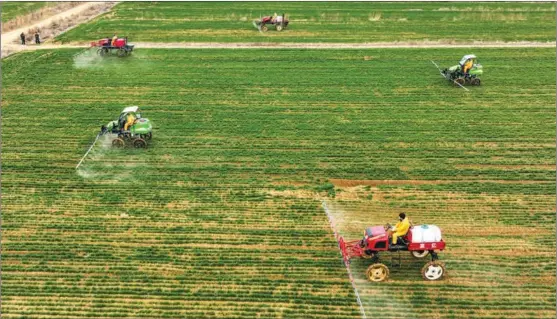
x=401 y=244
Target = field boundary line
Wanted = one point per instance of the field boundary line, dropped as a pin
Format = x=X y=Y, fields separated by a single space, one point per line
x=346 y=262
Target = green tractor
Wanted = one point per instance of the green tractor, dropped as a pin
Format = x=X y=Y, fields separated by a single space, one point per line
x=131 y=129
x=467 y=71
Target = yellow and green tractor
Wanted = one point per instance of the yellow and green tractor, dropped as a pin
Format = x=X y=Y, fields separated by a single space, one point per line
x=130 y=129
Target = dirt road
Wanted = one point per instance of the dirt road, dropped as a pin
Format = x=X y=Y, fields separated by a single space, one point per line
x=262 y=45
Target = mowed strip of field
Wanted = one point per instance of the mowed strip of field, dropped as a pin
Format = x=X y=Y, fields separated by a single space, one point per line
x=221 y=216
x=323 y=22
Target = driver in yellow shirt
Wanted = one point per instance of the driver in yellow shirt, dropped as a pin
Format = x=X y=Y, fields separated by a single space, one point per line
x=400 y=229
x=467 y=66
x=130 y=119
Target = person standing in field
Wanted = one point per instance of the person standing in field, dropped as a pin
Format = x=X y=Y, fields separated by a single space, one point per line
x=22 y=36
x=37 y=38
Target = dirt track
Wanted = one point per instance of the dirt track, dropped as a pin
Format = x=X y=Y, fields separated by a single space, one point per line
x=261 y=45
x=258 y=45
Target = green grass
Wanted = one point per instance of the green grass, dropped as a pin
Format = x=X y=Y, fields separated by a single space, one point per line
x=11 y=10
x=221 y=216
x=324 y=22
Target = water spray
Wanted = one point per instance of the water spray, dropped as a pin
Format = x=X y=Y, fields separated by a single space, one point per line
x=89 y=150
x=346 y=262
x=440 y=72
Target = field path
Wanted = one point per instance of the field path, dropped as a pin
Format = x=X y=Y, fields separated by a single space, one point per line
x=285 y=45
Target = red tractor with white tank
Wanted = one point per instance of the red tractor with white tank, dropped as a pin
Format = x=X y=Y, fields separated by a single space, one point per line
x=420 y=241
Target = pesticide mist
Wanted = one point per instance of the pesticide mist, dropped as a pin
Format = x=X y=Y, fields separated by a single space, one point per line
x=114 y=164
x=87 y=59
x=90 y=59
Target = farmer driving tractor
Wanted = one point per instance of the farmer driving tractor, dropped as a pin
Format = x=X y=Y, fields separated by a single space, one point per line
x=130 y=120
x=400 y=229
x=467 y=66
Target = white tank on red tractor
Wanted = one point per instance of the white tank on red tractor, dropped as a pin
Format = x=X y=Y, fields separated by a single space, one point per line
x=425 y=234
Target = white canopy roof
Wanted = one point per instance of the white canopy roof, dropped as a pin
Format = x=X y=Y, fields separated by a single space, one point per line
x=133 y=109
x=466 y=57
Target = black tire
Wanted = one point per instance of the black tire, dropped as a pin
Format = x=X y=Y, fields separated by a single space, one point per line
x=476 y=81
x=118 y=143
x=460 y=81
x=279 y=27
x=103 y=51
x=264 y=28
x=139 y=143
x=121 y=53
x=146 y=136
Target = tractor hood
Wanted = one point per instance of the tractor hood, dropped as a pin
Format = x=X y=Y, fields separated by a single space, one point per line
x=375 y=231
x=477 y=69
x=142 y=126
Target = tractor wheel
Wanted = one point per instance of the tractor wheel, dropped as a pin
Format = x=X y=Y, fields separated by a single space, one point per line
x=139 y=143
x=459 y=81
x=118 y=143
x=476 y=81
x=147 y=136
x=264 y=28
x=433 y=270
x=121 y=52
x=377 y=272
x=103 y=51
x=419 y=254
x=279 y=27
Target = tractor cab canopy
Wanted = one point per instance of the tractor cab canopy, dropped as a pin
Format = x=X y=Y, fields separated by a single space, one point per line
x=468 y=57
x=131 y=109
